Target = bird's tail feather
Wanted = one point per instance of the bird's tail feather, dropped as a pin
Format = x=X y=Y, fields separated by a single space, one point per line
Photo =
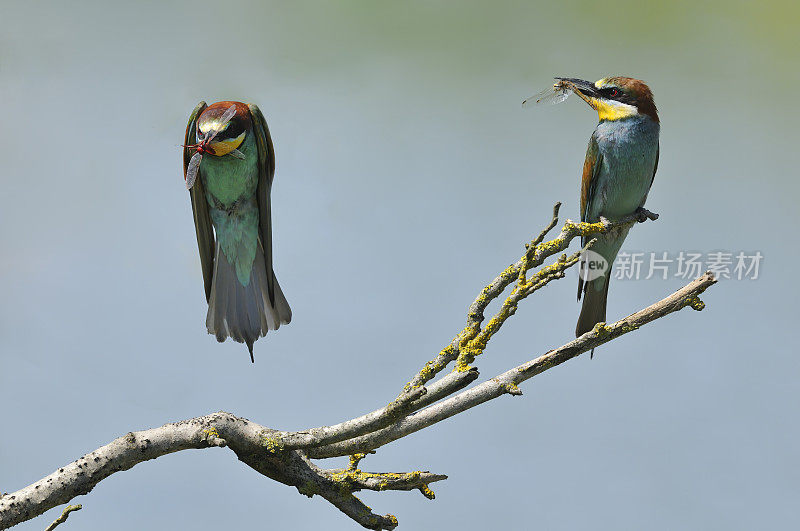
x=593 y=310
x=595 y=291
x=244 y=313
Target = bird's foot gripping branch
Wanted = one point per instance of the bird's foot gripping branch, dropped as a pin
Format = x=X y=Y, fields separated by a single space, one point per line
x=288 y=457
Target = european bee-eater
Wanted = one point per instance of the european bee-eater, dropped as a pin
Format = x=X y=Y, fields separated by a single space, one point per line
x=230 y=193
x=619 y=169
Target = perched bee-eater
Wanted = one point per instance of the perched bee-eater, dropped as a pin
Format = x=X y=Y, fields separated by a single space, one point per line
x=620 y=166
x=230 y=192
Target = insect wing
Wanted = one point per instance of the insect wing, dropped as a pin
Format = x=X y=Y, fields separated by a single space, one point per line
x=553 y=96
x=236 y=153
x=192 y=169
x=223 y=121
x=229 y=113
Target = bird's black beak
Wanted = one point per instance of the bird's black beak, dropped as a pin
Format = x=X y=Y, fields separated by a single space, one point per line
x=586 y=88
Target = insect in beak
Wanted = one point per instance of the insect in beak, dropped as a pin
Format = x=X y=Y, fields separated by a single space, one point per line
x=203 y=147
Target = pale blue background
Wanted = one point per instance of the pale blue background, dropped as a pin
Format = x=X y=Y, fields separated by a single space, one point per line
x=407 y=176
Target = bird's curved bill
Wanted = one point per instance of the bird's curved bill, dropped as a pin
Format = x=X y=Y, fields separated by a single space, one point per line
x=579 y=86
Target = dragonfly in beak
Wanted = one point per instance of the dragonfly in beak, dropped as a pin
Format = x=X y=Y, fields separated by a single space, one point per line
x=204 y=145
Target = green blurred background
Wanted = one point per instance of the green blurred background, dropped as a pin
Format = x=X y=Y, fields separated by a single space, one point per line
x=407 y=176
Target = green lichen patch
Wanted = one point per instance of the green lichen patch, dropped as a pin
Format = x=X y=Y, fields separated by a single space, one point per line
x=211 y=433
x=355 y=459
x=309 y=488
x=695 y=303
x=273 y=444
x=427 y=492
x=601 y=331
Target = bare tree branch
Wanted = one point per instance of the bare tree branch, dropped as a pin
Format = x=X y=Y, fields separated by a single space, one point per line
x=286 y=456
x=255 y=445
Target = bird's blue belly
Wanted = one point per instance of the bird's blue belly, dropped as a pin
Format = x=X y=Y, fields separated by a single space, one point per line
x=628 y=152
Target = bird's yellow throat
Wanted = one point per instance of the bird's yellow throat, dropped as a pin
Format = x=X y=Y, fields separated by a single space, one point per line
x=223 y=147
x=613 y=110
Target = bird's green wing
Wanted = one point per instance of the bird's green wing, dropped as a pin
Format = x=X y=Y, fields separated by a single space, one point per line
x=591 y=166
x=655 y=167
x=266 y=170
x=202 y=219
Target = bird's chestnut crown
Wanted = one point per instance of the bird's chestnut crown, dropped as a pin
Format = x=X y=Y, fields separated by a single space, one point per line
x=230 y=134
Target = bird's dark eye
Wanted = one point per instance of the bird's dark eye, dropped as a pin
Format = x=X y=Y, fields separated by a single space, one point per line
x=233 y=130
x=614 y=93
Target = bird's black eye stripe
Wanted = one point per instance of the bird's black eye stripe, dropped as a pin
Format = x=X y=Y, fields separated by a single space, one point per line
x=233 y=130
x=611 y=93
x=614 y=93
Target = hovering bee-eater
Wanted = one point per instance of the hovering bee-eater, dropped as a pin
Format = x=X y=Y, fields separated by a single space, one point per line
x=619 y=169
x=228 y=164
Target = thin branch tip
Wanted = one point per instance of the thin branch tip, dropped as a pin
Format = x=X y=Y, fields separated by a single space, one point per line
x=64 y=515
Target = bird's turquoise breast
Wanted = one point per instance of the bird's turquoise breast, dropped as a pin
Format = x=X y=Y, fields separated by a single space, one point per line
x=628 y=149
x=230 y=185
x=227 y=178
